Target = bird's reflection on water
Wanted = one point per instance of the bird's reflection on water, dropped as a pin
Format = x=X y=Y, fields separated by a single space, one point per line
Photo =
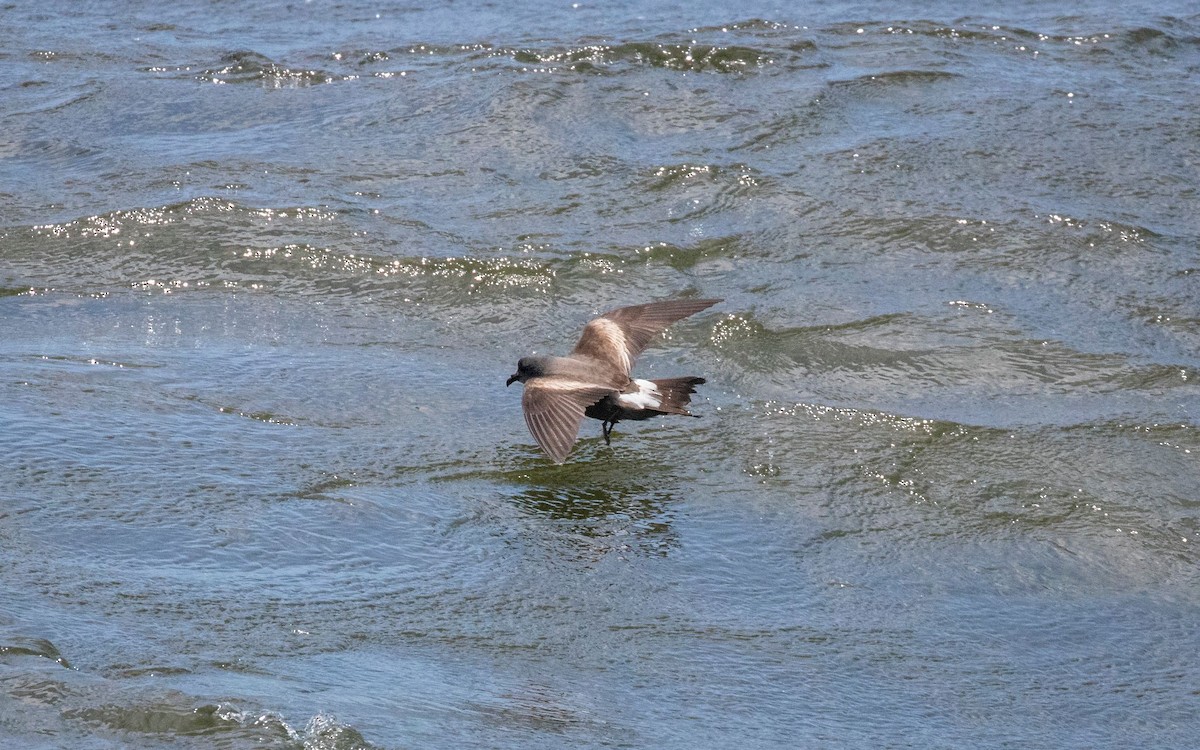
x=618 y=495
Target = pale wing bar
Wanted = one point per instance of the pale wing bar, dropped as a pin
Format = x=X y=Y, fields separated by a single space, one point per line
x=619 y=336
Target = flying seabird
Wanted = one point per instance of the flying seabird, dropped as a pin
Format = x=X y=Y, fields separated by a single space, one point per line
x=595 y=380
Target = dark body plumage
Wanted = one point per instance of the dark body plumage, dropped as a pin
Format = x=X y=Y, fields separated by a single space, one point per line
x=595 y=380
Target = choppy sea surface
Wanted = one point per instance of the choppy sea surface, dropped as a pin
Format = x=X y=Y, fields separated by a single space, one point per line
x=264 y=268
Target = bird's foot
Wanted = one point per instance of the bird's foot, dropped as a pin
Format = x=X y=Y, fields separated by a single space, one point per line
x=607 y=427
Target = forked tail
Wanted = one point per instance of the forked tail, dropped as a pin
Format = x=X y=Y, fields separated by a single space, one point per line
x=676 y=394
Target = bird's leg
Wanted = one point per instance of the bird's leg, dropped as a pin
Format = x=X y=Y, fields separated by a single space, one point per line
x=607 y=427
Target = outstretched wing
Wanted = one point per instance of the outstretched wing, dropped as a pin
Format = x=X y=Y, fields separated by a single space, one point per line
x=553 y=410
x=618 y=336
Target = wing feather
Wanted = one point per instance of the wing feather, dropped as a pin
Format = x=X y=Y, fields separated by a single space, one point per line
x=618 y=336
x=554 y=409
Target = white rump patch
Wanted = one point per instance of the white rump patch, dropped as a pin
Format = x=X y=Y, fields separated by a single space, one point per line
x=646 y=396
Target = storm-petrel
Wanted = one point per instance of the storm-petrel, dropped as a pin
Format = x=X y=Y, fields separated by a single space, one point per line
x=595 y=380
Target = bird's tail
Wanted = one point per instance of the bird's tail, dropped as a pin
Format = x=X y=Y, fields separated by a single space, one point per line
x=676 y=394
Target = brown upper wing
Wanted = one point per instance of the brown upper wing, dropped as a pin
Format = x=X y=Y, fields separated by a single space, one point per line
x=553 y=410
x=619 y=336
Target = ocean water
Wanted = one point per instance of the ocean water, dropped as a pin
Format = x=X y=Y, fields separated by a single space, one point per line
x=264 y=268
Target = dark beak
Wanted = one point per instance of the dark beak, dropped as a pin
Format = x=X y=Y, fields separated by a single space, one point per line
x=510 y=380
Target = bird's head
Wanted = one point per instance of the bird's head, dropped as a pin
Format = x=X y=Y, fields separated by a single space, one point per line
x=527 y=367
